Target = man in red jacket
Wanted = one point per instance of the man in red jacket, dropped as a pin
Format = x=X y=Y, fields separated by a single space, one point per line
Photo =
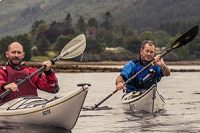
x=15 y=69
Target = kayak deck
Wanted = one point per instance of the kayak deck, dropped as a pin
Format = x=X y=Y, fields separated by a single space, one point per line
x=149 y=101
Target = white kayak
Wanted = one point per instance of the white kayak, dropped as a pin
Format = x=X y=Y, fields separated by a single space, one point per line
x=148 y=101
x=59 y=112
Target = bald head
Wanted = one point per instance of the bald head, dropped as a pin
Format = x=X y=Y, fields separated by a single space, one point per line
x=15 y=53
x=15 y=45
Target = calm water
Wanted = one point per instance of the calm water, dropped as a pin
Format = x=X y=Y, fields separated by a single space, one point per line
x=182 y=108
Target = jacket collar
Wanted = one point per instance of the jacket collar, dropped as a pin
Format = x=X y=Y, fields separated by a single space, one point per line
x=139 y=60
x=16 y=67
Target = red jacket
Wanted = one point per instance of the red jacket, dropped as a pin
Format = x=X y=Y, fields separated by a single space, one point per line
x=46 y=81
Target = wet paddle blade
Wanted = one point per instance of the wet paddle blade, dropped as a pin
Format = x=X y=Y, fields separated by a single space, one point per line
x=74 y=48
x=185 y=38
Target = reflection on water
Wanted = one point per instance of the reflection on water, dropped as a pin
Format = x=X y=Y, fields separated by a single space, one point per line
x=8 y=127
x=90 y=108
x=181 y=115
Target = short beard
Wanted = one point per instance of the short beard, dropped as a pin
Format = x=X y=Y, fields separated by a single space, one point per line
x=14 y=64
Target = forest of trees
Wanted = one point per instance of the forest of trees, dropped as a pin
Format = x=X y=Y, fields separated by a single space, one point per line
x=48 y=39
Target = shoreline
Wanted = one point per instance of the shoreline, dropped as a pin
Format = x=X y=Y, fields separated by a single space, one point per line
x=111 y=66
x=115 y=63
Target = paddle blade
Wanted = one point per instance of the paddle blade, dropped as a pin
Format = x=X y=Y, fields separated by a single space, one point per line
x=185 y=38
x=74 y=48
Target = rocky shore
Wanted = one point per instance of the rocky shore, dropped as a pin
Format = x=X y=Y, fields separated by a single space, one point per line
x=110 y=66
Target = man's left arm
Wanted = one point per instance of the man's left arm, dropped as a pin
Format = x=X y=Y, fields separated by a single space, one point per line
x=160 y=62
x=165 y=70
x=48 y=82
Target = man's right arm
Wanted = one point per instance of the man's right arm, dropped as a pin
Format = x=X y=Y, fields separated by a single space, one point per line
x=126 y=70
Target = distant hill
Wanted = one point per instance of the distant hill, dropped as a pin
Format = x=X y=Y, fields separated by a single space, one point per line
x=17 y=16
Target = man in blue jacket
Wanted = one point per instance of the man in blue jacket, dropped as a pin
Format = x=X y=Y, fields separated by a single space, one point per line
x=148 y=77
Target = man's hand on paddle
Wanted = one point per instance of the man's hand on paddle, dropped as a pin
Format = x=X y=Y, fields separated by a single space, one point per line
x=120 y=86
x=120 y=83
x=47 y=65
x=159 y=61
x=11 y=86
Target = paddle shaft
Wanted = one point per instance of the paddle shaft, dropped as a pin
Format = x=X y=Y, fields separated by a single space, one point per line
x=5 y=93
x=97 y=105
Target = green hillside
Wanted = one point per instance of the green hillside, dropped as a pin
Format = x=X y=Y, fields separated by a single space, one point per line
x=17 y=16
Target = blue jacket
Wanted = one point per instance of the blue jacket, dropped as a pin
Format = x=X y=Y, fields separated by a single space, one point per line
x=144 y=80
